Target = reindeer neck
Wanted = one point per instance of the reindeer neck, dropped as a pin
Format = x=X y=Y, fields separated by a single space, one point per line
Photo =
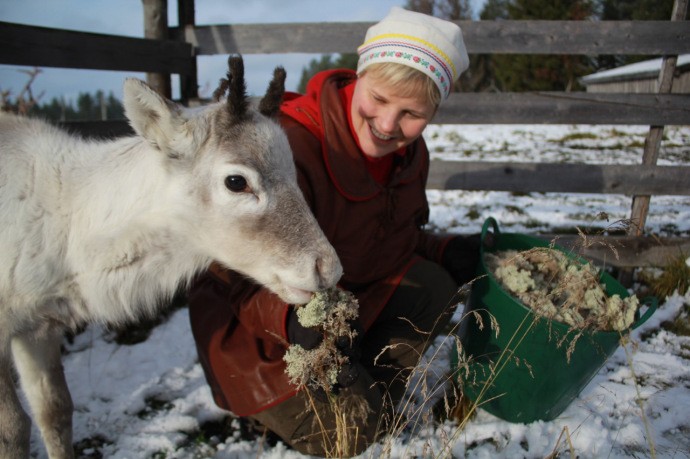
x=128 y=240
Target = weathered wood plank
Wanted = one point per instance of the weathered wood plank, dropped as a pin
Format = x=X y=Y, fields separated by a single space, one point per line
x=623 y=251
x=482 y=37
x=156 y=28
x=652 y=144
x=46 y=47
x=556 y=177
x=189 y=84
x=341 y=37
x=577 y=37
x=565 y=108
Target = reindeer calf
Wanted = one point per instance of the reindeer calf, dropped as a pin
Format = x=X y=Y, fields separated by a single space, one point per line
x=103 y=231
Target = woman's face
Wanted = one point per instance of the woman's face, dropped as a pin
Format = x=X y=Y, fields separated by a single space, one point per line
x=384 y=121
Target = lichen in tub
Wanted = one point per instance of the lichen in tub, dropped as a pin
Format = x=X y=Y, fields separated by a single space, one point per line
x=559 y=288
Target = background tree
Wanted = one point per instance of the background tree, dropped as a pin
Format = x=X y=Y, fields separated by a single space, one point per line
x=631 y=10
x=88 y=107
x=326 y=62
x=549 y=72
x=421 y=6
x=24 y=101
x=495 y=9
x=636 y=10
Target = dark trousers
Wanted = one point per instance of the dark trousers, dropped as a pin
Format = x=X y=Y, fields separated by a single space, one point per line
x=418 y=310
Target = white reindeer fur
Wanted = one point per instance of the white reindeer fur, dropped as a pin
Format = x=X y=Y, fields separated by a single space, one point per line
x=104 y=231
x=85 y=231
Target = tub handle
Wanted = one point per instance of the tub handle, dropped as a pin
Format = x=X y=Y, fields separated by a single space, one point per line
x=490 y=222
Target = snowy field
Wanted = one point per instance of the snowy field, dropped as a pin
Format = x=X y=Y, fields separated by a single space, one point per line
x=151 y=399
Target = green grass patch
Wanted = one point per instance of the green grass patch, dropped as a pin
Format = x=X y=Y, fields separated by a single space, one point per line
x=153 y=406
x=577 y=136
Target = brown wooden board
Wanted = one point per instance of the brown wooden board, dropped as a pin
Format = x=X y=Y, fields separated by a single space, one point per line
x=481 y=37
x=557 y=177
x=46 y=47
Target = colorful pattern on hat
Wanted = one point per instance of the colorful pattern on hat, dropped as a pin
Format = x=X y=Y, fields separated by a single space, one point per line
x=411 y=51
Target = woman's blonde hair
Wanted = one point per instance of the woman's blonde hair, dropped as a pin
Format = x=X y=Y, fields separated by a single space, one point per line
x=407 y=80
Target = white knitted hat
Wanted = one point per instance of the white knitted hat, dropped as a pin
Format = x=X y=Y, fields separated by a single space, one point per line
x=431 y=45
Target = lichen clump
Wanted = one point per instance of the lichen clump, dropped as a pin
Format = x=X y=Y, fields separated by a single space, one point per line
x=332 y=311
x=562 y=289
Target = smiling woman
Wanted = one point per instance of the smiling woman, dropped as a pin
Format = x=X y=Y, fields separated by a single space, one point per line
x=386 y=116
x=362 y=164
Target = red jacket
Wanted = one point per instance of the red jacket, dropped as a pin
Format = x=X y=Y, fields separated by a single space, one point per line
x=376 y=230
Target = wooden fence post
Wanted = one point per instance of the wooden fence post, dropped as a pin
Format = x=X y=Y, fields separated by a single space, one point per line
x=652 y=144
x=156 y=28
x=189 y=84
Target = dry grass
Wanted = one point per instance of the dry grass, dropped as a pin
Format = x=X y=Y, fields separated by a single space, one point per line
x=21 y=103
x=674 y=276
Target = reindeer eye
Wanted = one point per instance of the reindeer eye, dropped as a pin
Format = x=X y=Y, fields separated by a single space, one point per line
x=236 y=183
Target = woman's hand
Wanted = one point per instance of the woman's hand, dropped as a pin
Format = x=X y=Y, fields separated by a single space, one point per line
x=461 y=257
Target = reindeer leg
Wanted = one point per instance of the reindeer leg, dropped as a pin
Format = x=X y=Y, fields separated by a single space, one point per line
x=15 y=425
x=38 y=361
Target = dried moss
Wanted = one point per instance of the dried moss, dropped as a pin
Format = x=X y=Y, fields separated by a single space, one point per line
x=332 y=311
x=560 y=288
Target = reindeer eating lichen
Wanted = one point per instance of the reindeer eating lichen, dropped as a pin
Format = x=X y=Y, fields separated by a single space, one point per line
x=104 y=231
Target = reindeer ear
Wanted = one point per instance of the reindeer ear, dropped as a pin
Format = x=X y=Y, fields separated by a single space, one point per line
x=270 y=103
x=152 y=116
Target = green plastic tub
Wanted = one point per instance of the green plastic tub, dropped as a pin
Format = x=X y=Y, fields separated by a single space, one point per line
x=521 y=375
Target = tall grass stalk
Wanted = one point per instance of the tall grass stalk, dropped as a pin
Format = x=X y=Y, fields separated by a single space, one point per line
x=347 y=413
x=496 y=369
x=625 y=340
x=554 y=454
x=425 y=386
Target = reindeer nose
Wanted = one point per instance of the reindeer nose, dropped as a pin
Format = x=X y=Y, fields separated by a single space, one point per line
x=328 y=270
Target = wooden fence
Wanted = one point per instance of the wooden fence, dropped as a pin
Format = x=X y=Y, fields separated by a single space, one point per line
x=38 y=46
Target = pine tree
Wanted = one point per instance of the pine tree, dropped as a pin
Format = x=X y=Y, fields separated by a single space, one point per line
x=631 y=10
x=89 y=107
x=636 y=10
x=326 y=62
x=536 y=72
x=495 y=9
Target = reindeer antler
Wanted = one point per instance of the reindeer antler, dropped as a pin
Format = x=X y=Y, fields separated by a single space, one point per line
x=237 y=95
x=270 y=103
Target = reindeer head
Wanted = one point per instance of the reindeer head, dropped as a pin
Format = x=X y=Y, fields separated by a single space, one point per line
x=237 y=178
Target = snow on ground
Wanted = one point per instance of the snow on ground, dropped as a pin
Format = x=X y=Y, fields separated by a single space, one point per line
x=150 y=399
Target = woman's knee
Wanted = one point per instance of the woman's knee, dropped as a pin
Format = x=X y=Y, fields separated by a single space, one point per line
x=425 y=295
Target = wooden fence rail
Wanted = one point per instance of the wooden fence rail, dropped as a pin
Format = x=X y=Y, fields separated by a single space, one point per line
x=481 y=37
x=558 y=177
x=565 y=108
x=46 y=47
